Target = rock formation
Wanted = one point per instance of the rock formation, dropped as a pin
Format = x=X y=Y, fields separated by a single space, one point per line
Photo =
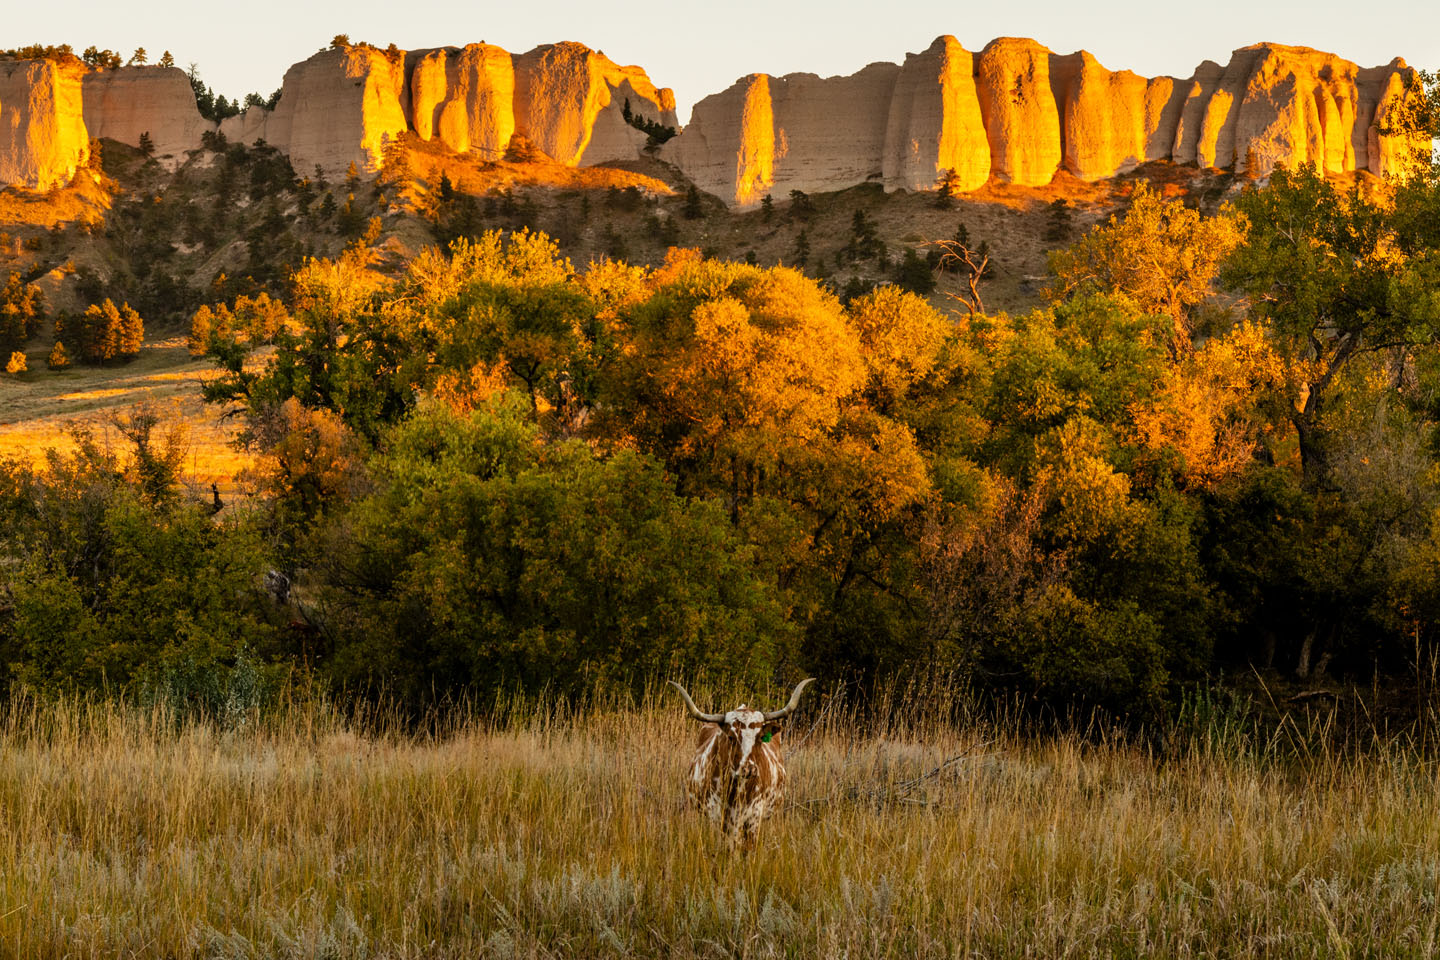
x=465 y=98
x=935 y=122
x=123 y=103
x=570 y=102
x=1014 y=113
x=343 y=106
x=1018 y=113
x=42 y=127
x=339 y=107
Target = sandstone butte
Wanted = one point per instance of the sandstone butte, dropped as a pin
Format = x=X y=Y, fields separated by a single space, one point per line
x=1015 y=113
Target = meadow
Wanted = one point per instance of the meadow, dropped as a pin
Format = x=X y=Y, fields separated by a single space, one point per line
x=544 y=829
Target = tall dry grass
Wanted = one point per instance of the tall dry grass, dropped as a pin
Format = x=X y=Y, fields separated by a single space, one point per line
x=560 y=831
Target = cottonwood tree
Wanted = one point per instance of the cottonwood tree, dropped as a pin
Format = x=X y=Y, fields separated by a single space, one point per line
x=1334 y=275
x=1160 y=254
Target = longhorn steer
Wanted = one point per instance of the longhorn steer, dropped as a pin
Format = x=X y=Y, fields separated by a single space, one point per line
x=737 y=776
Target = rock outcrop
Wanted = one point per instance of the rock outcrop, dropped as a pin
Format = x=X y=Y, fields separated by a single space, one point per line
x=465 y=98
x=123 y=103
x=570 y=103
x=935 y=123
x=339 y=107
x=343 y=106
x=42 y=128
x=1018 y=113
x=1013 y=113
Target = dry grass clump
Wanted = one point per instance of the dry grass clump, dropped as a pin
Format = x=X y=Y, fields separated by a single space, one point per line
x=562 y=832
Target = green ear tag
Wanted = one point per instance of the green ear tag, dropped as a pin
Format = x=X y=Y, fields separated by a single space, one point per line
x=765 y=737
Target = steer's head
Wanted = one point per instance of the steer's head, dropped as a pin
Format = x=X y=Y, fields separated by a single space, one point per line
x=745 y=727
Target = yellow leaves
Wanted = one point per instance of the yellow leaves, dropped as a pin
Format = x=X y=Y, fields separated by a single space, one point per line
x=1093 y=499
x=333 y=288
x=1201 y=411
x=310 y=457
x=1161 y=254
x=901 y=336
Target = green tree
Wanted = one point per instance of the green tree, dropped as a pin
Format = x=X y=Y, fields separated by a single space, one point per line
x=22 y=311
x=556 y=567
x=1334 y=276
x=1161 y=254
x=947 y=187
x=693 y=209
x=139 y=57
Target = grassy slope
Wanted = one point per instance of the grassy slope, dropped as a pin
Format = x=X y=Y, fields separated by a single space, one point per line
x=125 y=834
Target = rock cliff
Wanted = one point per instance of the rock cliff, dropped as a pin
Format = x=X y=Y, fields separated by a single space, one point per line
x=1018 y=113
x=570 y=102
x=465 y=98
x=339 y=107
x=42 y=128
x=1015 y=112
x=122 y=104
x=343 y=106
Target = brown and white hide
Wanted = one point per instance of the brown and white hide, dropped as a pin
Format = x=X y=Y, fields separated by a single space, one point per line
x=737 y=777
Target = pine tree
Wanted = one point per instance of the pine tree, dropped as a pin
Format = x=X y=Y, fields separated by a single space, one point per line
x=801 y=253
x=139 y=57
x=947 y=185
x=1057 y=227
x=147 y=146
x=693 y=209
x=58 y=359
x=767 y=208
x=167 y=60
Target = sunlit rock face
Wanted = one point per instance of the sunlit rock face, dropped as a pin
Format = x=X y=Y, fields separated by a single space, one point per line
x=1022 y=119
x=1013 y=113
x=123 y=103
x=43 y=140
x=570 y=102
x=1018 y=113
x=1274 y=105
x=339 y=107
x=464 y=98
x=796 y=132
x=934 y=122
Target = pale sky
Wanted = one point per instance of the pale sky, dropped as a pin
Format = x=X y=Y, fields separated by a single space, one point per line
x=701 y=48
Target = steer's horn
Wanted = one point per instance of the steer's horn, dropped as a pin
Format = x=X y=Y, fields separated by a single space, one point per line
x=694 y=710
x=794 y=699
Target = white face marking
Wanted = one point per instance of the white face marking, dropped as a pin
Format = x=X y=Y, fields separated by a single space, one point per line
x=745 y=725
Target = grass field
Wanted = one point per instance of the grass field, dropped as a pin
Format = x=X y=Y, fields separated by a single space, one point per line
x=39 y=408
x=564 y=833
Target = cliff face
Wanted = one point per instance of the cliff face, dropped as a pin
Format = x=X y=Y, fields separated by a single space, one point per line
x=1015 y=112
x=42 y=128
x=465 y=98
x=570 y=102
x=1018 y=113
x=343 y=106
x=124 y=103
x=935 y=122
x=339 y=107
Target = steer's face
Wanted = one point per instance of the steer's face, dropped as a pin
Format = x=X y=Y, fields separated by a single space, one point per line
x=747 y=728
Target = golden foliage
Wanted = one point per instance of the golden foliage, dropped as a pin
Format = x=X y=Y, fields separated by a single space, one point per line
x=1203 y=410
x=1162 y=255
